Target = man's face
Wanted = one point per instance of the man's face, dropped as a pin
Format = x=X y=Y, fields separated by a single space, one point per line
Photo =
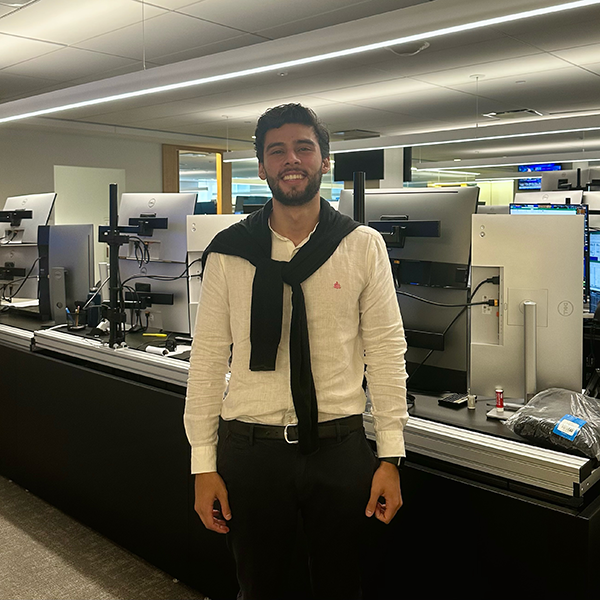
x=292 y=164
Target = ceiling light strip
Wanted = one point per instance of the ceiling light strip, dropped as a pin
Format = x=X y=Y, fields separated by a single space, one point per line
x=307 y=60
x=510 y=164
x=468 y=140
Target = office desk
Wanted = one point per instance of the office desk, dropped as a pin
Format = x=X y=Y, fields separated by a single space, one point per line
x=109 y=449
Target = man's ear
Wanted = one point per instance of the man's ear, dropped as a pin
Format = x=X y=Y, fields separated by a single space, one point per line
x=326 y=165
x=261 y=171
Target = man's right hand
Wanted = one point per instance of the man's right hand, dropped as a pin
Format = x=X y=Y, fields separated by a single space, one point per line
x=210 y=488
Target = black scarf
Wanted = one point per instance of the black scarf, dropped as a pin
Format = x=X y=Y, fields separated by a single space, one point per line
x=251 y=239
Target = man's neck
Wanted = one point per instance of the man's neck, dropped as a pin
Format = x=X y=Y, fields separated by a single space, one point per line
x=295 y=222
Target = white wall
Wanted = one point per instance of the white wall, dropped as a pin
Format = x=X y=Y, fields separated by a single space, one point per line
x=82 y=198
x=28 y=157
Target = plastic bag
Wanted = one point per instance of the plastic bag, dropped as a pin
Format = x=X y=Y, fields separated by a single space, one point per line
x=562 y=420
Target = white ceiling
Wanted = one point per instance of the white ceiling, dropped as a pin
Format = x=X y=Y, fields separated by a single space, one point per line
x=54 y=52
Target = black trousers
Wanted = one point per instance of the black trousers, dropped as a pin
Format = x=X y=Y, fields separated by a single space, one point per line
x=272 y=487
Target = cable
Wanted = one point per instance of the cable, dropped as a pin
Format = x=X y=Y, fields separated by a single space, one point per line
x=494 y=280
x=142 y=250
x=23 y=280
x=484 y=302
x=165 y=277
x=460 y=312
x=14 y=235
x=84 y=307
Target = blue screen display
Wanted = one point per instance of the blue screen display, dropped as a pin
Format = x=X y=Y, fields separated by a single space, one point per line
x=530 y=183
x=541 y=167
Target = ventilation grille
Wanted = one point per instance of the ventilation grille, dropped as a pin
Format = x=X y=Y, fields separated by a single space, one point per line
x=513 y=114
x=355 y=134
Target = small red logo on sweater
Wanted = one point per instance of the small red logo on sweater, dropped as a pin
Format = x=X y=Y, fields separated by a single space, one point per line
x=337 y=286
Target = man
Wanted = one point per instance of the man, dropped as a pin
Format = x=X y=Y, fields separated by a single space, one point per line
x=301 y=298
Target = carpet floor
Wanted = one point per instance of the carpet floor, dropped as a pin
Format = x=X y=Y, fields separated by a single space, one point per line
x=46 y=555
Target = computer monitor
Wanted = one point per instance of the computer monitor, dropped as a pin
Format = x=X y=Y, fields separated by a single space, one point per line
x=205 y=208
x=535 y=208
x=66 y=269
x=26 y=232
x=563 y=210
x=529 y=183
x=555 y=197
x=592 y=199
x=565 y=180
x=433 y=269
x=536 y=258
x=165 y=245
x=493 y=209
x=594 y=270
x=250 y=208
x=241 y=200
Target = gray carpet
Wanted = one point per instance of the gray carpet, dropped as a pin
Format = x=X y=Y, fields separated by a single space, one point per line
x=46 y=555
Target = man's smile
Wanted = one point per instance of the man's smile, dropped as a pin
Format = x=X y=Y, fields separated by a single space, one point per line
x=292 y=176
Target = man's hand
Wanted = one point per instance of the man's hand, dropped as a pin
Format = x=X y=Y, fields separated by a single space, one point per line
x=210 y=488
x=386 y=484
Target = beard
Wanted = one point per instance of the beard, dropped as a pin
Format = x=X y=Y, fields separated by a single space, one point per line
x=296 y=197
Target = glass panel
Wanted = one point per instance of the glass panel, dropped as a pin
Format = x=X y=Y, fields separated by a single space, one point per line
x=198 y=173
x=246 y=182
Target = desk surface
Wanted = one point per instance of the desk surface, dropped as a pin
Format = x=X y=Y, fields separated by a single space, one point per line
x=29 y=321
x=427 y=407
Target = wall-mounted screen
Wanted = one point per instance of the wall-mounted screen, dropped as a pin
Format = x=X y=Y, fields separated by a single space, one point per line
x=529 y=183
x=345 y=164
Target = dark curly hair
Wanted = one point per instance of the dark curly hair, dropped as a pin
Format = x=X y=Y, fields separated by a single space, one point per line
x=276 y=117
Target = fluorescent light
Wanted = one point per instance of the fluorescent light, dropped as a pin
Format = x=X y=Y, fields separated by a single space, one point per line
x=310 y=59
x=473 y=139
x=510 y=164
x=444 y=172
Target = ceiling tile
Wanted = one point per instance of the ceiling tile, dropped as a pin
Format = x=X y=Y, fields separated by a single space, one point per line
x=14 y=86
x=231 y=43
x=68 y=22
x=14 y=50
x=170 y=4
x=273 y=18
x=163 y=35
x=557 y=31
x=68 y=63
x=438 y=58
x=582 y=55
x=395 y=87
x=569 y=89
x=515 y=67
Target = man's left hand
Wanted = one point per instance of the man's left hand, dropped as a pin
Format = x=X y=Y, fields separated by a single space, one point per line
x=386 y=485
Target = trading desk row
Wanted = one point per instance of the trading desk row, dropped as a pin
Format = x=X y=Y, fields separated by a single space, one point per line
x=98 y=432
